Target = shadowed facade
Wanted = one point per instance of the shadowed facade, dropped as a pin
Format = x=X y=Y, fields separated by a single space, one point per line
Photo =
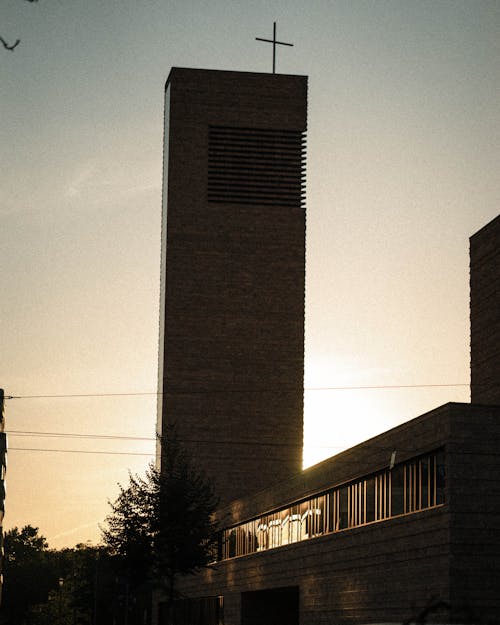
x=485 y=314
x=231 y=353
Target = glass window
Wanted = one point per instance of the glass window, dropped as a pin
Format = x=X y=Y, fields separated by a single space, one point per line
x=262 y=536
x=343 y=508
x=232 y=543
x=408 y=487
x=424 y=483
x=370 y=499
x=440 y=478
x=318 y=515
x=294 y=525
x=285 y=530
x=332 y=511
x=381 y=497
x=397 y=490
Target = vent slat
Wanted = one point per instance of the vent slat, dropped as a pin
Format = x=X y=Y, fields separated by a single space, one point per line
x=256 y=166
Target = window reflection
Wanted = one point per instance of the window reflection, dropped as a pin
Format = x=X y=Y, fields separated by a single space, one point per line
x=408 y=487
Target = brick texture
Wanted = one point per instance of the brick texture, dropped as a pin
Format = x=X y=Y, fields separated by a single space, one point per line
x=232 y=326
x=387 y=571
x=485 y=314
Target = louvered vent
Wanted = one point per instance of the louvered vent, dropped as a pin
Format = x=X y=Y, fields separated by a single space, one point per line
x=256 y=166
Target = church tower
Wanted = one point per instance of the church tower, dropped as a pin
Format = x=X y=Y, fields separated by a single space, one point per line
x=231 y=349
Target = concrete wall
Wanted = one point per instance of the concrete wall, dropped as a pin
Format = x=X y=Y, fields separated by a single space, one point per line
x=485 y=314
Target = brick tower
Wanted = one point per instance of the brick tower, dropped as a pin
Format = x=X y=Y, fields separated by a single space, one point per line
x=231 y=350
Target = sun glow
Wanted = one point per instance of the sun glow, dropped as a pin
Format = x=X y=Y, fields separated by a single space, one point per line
x=336 y=420
x=344 y=406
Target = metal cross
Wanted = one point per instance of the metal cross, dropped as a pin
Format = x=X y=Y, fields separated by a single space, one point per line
x=274 y=42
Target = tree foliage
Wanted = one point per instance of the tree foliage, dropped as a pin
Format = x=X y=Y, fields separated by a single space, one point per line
x=28 y=577
x=44 y=586
x=129 y=526
x=162 y=525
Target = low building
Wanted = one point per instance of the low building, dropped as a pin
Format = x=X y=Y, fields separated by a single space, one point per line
x=403 y=524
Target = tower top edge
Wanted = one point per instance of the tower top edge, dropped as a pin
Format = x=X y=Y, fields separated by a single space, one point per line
x=192 y=71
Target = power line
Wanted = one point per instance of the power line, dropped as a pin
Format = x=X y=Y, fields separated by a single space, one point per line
x=382 y=386
x=82 y=451
x=247 y=390
x=183 y=441
x=140 y=438
x=79 y=395
x=339 y=461
x=75 y=435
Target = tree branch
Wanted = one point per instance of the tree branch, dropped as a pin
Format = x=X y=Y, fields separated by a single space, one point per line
x=13 y=46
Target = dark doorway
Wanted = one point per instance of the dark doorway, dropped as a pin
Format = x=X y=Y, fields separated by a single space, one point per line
x=197 y=611
x=276 y=606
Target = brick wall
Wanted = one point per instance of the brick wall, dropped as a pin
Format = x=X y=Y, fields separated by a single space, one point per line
x=474 y=504
x=232 y=345
x=485 y=314
x=387 y=571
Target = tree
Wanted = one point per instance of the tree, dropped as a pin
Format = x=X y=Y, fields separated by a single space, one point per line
x=28 y=574
x=45 y=586
x=129 y=526
x=85 y=592
x=161 y=526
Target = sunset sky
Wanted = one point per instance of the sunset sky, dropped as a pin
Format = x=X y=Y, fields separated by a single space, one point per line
x=403 y=163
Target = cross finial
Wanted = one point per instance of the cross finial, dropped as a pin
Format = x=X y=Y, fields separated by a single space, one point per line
x=274 y=42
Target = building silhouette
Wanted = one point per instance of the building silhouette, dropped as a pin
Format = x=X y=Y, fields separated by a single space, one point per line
x=232 y=280
x=401 y=528
x=485 y=314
